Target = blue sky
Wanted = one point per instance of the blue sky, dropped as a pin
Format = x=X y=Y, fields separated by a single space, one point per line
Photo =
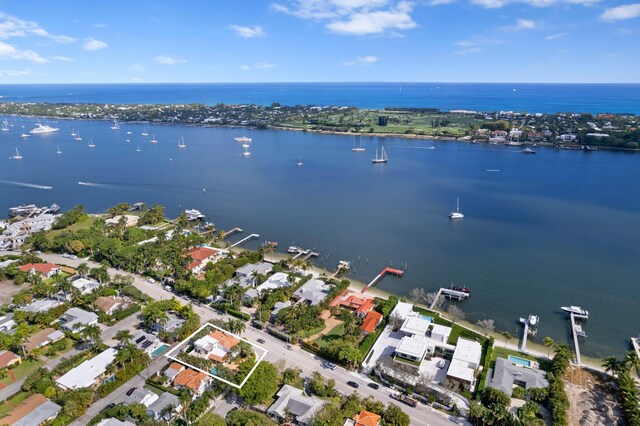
x=319 y=40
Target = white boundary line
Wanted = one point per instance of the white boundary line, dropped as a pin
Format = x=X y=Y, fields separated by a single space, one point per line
x=208 y=324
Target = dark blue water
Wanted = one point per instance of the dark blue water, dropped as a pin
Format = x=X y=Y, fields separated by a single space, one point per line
x=548 y=230
x=545 y=98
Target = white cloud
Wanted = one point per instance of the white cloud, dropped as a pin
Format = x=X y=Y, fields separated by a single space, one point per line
x=479 y=42
x=496 y=4
x=92 y=44
x=355 y=17
x=15 y=73
x=468 y=50
x=169 y=60
x=12 y=26
x=138 y=67
x=556 y=36
x=624 y=31
x=248 y=32
x=440 y=2
x=521 y=24
x=8 y=52
x=257 y=66
x=620 y=13
x=362 y=60
x=63 y=58
x=99 y=25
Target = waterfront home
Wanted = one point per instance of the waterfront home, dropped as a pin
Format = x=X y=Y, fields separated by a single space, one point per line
x=278 y=306
x=75 y=319
x=506 y=375
x=109 y=304
x=17 y=232
x=85 y=286
x=42 y=338
x=215 y=345
x=277 y=280
x=402 y=311
x=371 y=322
x=250 y=270
x=34 y=410
x=173 y=370
x=146 y=342
x=7 y=323
x=200 y=257
x=140 y=396
x=172 y=325
x=364 y=418
x=412 y=349
x=127 y=219
x=357 y=301
x=90 y=373
x=294 y=406
x=440 y=333
x=567 y=137
x=415 y=326
x=313 y=292
x=158 y=410
x=45 y=270
x=112 y=421
x=194 y=380
x=8 y=358
x=40 y=305
x=465 y=362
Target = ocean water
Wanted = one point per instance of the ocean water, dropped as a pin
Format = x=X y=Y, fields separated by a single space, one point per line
x=533 y=98
x=547 y=230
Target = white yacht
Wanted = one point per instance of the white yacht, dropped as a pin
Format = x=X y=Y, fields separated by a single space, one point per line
x=382 y=159
x=575 y=310
x=25 y=135
x=17 y=156
x=242 y=139
x=43 y=128
x=194 y=214
x=456 y=214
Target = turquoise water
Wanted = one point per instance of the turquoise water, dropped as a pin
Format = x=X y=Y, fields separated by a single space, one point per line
x=426 y=318
x=159 y=351
x=213 y=370
x=519 y=361
x=553 y=229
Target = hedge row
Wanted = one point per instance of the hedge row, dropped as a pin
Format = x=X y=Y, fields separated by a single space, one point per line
x=370 y=340
x=488 y=349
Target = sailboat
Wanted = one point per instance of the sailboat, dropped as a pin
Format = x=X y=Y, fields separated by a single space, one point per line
x=17 y=156
x=299 y=163
x=358 y=148
x=91 y=144
x=456 y=214
x=73 y=132
x=382 y=159
x=181 y=143
x=128 y=133
x=58 y=151
x=246 y=151
x=144 y=132
x=5 y=126
x=138 y=149
x=116 y=125
x=77 y=137
x=153 y=139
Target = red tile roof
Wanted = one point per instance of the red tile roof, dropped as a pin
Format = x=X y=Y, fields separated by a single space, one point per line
x=199 y=255
x=190 y=378
x=225 y=340
x=366 y=418
x=6 y=358
x=43 y=268
x=352 y=299
x=371 y=321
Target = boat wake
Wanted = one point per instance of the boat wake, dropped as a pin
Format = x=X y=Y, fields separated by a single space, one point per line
x=99 y=185
x=491 y=170
x=26 y=185
x=417 y=147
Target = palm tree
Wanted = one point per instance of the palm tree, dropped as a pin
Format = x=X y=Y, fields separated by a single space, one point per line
x=631 y=360
x=507 y=336
x=185 y=397
x=124 y=336
x=611 y=365
x=83 y=269
x=549 y=343
x=91 y=332
x=349 y=324
x=167 y=412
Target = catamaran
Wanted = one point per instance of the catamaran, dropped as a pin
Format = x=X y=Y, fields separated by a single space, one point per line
x=17 y=156
x=181 y=143
x=456 y=214
x=359 y=147
x=242 y=139
x=382 y=159
x=116 y=125
x=91 y=144
x=153 y=139
x=43 y=128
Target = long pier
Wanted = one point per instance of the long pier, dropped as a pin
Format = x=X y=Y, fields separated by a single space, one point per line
x=231 y=232
x=250 y=237
x=523 y=343
x=576 y=330
x=306 y=254
x=450 y=294
x=385 y=271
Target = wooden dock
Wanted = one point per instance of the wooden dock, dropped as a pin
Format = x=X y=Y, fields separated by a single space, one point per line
x=385 y=271
x=231 y=232
x=449 y=294
x=305 y=254
x=576 y=330
x=250 y=237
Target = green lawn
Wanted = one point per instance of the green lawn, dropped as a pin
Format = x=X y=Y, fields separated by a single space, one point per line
x=13 y=403
x=459 y=331
x=22 y=370
x=336 y=332
x=83 y=224
x=305 y=334
x=501 y=352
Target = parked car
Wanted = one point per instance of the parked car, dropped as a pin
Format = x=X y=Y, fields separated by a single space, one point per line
x=151 y=280
x=441 y=363
x=109 y=406
x=168 y=288
x=373 y=385
x=130 y=391
x=353 y=384
x=329 y=365
x=261 y=340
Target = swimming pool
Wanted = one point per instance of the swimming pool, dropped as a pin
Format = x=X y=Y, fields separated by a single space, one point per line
x=159 y=351
x=519 y=361
x=426 y=318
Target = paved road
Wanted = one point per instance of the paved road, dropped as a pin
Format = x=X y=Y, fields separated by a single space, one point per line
x=307 y=362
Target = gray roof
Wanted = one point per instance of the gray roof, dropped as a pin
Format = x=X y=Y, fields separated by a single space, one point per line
x=8 y=317
x=252 y=293
x=115 y=422
x=172 y=324
x=505 y=375
x=279 y=306
x=165 y=400
x=137 y=396
x=39 y=414
x=75 y=317
x=292 y=400
x=144 y=340
x=244 y=281
x=313 y=291
x=262 y=268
